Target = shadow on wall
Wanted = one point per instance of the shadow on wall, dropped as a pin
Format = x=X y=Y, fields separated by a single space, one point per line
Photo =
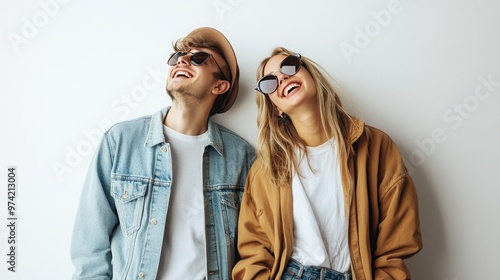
x=430 y=262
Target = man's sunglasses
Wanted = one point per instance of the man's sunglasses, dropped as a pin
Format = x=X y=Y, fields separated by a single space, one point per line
x=197 y=59
x=289 y=66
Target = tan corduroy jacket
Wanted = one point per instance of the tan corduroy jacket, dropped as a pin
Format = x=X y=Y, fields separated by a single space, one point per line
x=381 y=206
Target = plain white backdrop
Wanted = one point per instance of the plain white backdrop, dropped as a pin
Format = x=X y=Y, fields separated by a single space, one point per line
x=426 y=72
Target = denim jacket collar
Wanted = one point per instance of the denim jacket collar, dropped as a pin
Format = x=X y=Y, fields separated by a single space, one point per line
x=156 y=136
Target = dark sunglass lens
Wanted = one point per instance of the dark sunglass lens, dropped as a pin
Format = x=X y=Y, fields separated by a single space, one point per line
x=199 y=58
x=290 y=65
x=174 y=57
x=268 y=84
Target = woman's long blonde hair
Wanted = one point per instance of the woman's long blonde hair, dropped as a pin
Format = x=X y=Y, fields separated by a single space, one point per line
x=277 y=140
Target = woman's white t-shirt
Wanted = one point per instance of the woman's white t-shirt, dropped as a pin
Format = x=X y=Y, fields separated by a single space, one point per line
x=320 y=226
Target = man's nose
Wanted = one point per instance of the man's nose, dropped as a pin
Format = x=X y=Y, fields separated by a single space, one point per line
x=184 y=59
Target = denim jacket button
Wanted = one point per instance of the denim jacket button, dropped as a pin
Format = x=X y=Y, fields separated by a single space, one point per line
x=142 y=275
x=153 y=221
x=164 y=149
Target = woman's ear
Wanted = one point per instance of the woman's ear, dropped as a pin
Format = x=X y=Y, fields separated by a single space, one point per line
x=220 y=87
x=280 y=112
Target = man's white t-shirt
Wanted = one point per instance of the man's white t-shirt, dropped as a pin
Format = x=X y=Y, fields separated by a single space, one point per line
x=183 y=250
x=320 y=226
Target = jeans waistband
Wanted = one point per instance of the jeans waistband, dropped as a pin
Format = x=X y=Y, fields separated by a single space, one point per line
x=296 y=270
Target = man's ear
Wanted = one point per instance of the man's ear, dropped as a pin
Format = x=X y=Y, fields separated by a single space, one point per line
x=220 y=87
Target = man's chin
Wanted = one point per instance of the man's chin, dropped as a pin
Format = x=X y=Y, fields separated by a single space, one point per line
x=177 y=91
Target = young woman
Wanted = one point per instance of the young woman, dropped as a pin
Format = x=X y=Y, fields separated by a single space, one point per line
x=328 y=196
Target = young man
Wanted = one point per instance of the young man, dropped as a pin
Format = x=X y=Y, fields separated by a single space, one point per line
x=162 y=195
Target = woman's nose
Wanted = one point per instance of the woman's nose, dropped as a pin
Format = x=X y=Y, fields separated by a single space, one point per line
x=282 y=77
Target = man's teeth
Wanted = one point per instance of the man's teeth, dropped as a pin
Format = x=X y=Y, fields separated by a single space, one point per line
x=183 y=74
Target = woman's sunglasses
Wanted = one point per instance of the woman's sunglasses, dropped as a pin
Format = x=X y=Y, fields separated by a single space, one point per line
x=289 y=66
x=197 y=59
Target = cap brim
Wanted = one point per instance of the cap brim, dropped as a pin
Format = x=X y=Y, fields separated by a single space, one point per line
x=230 y=57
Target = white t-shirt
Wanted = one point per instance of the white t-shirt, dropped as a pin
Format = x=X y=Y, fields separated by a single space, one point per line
x=183 y=250
x=320 y=226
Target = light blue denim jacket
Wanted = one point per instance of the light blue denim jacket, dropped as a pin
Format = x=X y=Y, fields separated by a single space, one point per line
x=120 y=222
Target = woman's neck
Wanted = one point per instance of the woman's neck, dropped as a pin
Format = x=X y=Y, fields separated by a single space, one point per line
x=310 y=129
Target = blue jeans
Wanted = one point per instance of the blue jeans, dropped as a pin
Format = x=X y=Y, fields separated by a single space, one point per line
x=295 y=270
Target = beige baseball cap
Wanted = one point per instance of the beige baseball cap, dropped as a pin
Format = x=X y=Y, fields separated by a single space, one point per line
x=230 y=57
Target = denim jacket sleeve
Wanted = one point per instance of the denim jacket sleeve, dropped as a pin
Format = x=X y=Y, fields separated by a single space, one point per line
x=96 y=220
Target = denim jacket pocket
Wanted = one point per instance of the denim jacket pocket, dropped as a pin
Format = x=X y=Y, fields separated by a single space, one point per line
x=129 y=194
x=230 y=209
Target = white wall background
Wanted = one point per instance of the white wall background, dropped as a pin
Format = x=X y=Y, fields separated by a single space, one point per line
x=428 y=74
